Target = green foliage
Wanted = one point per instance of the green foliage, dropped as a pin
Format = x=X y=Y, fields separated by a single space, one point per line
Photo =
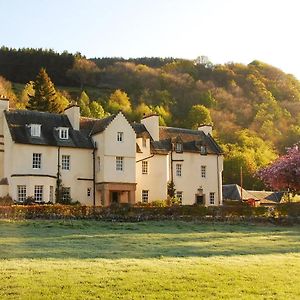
x=7 y=91
x=198 y=115
x=119 y=101
x=27 y=91
x=45 y=97
x=249 y=152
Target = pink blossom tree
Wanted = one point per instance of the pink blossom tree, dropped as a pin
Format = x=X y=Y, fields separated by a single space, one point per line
x=284 y=172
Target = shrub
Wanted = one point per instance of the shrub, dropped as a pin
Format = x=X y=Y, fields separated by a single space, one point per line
x=6 y=200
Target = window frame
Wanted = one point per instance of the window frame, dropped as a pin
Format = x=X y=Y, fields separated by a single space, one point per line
x=120 y=136
x=38 y=193
x=51 y=193
x=21 y=192
x=178 y=147
x=36 y=161
x=179 y=196
x=144 y=142
x=66 y=162
x=212 y=198
x=145 y=196
x=119 y=163
x=66 y=191
x=35 y=130
x=179 y=170
x=145 y=167
x=63 y=133
x=89 y=192
x=203 y=171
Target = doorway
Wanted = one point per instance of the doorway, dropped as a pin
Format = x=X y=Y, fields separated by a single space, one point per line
x=114 y=197
x=200 y=199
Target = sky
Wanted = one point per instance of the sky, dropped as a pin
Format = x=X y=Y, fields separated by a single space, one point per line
x=224 y=30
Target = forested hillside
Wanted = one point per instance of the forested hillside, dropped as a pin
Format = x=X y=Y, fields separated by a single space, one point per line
x=254 y=108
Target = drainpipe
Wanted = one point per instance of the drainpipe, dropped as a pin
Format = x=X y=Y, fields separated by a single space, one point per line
x=94 y=174
x=58 y=180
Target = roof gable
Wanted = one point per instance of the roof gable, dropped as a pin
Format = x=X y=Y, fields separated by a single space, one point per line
x=18 y=121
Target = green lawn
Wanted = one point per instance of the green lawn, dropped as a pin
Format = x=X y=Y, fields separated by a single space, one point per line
x=149 y=260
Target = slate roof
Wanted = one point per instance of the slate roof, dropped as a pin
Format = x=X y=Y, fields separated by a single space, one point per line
x=140 y=130
x=233 y=192
x=191 y=140
x=101 y=124
x=18 y=121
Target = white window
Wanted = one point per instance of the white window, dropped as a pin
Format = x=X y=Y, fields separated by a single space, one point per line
x=178 y=169
x=63 y=133
x=21 y=193
x=178 y=147
x=145 y=196
x=120 y=136
x=66 y=194
x=89 y=192
x=65 y=162
x=144 y=167
x=179 y=195
x=211 y=198
x=35 y=130
x=36 y=160
x=119 y=163
x=51 y=193
x=203 y=150
x=38 y=193
x=144 y=143
x=203 y=171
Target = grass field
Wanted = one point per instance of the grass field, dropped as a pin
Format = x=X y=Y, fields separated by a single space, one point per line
x=150 y=260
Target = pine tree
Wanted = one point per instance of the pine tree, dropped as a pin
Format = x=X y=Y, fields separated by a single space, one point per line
x=44 y=97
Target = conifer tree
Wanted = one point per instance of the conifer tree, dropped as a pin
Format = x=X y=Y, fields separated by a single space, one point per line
x=44 y=97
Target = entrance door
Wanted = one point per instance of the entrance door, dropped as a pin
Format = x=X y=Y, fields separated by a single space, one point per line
x=114 y=197
x=200 y=199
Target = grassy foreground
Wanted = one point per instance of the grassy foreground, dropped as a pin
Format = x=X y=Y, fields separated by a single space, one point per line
x=149 y=260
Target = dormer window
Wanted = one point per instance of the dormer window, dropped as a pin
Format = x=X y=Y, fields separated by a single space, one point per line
x=63 y=133
x=203 y=150
x=178 y=147
x=35 y=130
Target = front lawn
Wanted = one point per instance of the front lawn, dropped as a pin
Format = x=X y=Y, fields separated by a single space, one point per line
x=148 y=260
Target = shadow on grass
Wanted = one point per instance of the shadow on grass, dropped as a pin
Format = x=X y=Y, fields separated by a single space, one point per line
x=91 y=239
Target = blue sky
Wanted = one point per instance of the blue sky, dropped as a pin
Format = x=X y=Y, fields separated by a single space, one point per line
x=223 y=30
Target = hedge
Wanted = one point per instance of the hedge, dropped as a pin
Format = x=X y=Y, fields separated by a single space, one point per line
x=142 y=213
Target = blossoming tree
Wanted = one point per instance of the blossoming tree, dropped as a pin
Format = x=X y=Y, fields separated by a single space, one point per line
x=284 y=172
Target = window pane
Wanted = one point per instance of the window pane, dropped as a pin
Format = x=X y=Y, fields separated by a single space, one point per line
x=21 y=193
x=178 y=169
x=212 y=198
x=144 y=167
x=38 y=193
x=120 y=136
x=203 y=171
x=36 y=160
x=145 y=196
x=119 y=163
x=65 y=162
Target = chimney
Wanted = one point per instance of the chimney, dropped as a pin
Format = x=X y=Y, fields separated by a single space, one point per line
x=151 y=123
x=207 y=129
x=73 y=113
x=4 y=103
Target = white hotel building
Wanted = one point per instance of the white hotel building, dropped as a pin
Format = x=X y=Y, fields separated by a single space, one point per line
x=101 y=161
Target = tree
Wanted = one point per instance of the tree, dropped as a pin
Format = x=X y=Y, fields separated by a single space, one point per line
x=45 y=97
x=83 y=71
x=198 y=115
x=25 y=95
x=84 y=104
x=119 y=101
x=7 y=91
x=284 y=172
x=97 y=110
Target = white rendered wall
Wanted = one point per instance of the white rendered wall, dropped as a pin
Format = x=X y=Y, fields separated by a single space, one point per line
x=190 y=179
x=156 y=179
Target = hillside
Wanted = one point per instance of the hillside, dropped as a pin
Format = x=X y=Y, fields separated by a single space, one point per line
x=255 y=108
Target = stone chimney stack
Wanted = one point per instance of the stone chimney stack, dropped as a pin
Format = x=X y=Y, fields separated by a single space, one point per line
x=151 y=123
x=73 y=113
x=207 y=129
